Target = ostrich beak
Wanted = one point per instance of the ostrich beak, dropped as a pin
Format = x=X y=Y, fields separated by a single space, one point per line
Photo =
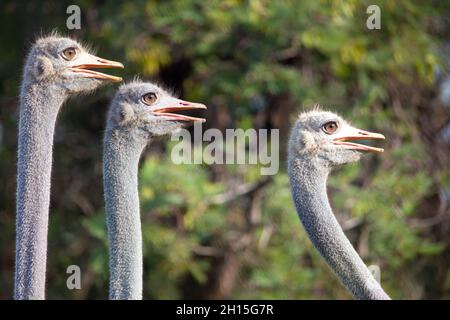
x=171 y=105
x=348 y=133
x=85 y=61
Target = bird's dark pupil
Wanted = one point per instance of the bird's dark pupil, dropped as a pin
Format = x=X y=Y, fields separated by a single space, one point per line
x=150 y=98
x=330 y=127
x=70 y=53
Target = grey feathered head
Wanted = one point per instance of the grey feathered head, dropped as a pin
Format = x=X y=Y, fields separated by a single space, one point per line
x=326 y=138
x=144 y=107
x=65 y=63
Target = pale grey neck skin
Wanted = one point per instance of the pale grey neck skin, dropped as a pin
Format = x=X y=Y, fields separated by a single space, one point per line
x=130 y=127
x=33 y=187
x=120 y=166
x=308 y=169
x=308 y=185
x=47 y=83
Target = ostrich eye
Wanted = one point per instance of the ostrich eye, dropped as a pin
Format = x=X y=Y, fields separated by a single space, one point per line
x=149 y=98
x=69 y=53
x=330 y=127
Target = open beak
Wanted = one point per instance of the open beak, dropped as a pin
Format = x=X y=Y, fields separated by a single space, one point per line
x=172 y=105
x=87 y=61
x=348 y=134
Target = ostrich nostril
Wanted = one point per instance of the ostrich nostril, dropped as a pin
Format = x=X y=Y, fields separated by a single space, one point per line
x=184 y=103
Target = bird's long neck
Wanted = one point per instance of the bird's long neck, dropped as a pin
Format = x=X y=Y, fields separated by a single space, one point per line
x=120 y=175
x=308 y=185
x=39 y=107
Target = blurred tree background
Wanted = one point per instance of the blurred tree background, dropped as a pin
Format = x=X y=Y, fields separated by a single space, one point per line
x=216 y=231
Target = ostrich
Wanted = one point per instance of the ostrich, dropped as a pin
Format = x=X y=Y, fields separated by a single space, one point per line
x=139 y=112
x=319 y=142
x=55 y=69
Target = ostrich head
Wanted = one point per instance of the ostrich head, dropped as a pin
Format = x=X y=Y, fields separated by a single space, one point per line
x=328 y=140
x=66 y=64
x=144 y=110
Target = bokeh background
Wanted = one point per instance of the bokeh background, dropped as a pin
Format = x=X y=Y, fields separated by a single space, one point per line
x=216 y=231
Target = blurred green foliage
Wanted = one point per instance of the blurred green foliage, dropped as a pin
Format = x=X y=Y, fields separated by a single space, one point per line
x=255 y=63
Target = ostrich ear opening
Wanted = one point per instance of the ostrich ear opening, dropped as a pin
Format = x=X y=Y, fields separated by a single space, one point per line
x=125 y=114
x=42 y=68
x=308 y=140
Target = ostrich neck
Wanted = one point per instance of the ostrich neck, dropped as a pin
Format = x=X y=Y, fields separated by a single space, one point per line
x=308 y=184
x=39 y=107
x=120 y=176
